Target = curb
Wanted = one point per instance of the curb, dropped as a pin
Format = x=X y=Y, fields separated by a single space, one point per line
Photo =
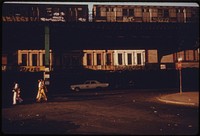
x=176 y=102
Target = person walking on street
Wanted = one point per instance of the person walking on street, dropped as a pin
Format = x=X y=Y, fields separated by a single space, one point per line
x=16 y=94
x=41 y=91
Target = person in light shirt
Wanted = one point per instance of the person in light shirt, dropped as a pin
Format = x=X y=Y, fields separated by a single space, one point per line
x=16 y=94
x=41 y=91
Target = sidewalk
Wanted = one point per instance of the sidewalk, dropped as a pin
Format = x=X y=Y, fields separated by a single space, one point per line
x=184 y=98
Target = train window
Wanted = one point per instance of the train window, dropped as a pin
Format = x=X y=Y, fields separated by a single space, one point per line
x=139 y=59
x=172 y=12
x=34 y=60
x=189 y=55
x=98 y=59
x=125 y=12
x=138 y=12
x=179 y=10
x=43 y=59
x=108 y=59
x=102 y=9
x=131 y=12
x=129 y=55
x=160 y=13
x=120 y=58
x=145 y=10
x=166 y=13
x=24 y=60
x=154 y=12
x=188 y=13
x=89 y=59
x=98 y=9
x=196 y=55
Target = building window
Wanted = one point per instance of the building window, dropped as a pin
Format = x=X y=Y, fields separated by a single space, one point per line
x=34 y=60
x=98 y=59
x=24 y=60
x=139 y=60
x=108 y=59
x=89 y=59
x=129 y=59
x=120 y=59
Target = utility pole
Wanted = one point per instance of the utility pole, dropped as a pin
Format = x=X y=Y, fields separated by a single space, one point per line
x=179 y=67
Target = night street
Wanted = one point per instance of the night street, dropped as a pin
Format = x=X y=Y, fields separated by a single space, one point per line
x=136 y=112
x=100 y=68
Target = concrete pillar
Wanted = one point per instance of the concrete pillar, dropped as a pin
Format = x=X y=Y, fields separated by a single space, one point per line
x=46 y=46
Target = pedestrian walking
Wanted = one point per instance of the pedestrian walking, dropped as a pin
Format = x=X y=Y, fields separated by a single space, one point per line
x=16 y=94
x=41 y=91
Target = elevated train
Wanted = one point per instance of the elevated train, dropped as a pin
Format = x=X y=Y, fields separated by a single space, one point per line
x=100 y=12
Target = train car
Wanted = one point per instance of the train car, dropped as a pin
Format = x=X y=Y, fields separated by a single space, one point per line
x=25 y=12
x=145 y=13
x=114 y=59
x=32 y=60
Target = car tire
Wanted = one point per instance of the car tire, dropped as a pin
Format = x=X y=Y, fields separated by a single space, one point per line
x=77 y=89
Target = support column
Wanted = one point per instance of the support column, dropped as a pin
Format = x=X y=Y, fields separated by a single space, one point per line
x=47 y=68
x=47 y=46
x=159 y=58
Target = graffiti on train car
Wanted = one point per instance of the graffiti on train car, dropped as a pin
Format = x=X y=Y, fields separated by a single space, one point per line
x=31 y=68
x=19 y=19
x=159 y=19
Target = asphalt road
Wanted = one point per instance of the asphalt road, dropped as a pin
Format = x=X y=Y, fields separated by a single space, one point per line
x=135 y=112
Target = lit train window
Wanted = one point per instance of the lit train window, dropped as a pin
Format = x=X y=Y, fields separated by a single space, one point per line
x=120 y=59
x=108 y=59
x=89 y=59
x=129 y=58
x=34 y=60
x=139 y=60
x=24 y=60
x=98 y=59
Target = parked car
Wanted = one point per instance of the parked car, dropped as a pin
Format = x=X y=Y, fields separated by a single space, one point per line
x=89 y=84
